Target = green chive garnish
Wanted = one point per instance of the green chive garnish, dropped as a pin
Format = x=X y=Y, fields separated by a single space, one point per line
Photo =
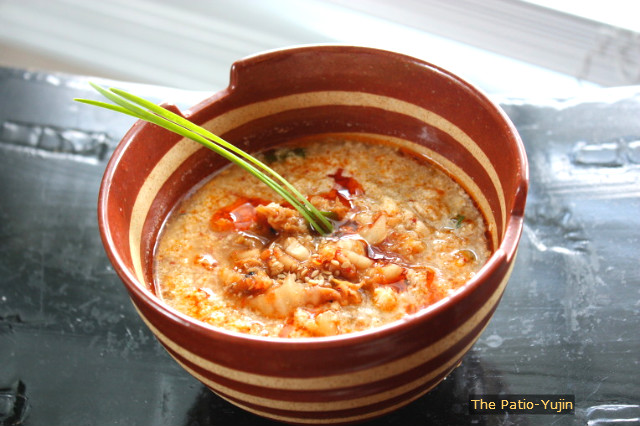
x=458 y=220
x=142 y=109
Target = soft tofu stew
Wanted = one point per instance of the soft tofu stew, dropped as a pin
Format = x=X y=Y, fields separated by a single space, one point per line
x=235 y=256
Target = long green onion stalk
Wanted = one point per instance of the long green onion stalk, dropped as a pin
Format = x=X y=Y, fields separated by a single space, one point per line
x=143 y=109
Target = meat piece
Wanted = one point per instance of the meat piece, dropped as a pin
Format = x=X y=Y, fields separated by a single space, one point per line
x=282 y=301
x=282 y=219
x=243 y=284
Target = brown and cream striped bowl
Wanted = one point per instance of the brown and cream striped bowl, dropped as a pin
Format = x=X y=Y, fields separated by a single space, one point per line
x=285 y=94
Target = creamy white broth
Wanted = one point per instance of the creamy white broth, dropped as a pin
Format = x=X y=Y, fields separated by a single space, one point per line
x=236 y=256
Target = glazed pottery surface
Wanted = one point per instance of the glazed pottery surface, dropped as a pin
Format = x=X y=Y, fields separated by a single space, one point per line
x=286 y=94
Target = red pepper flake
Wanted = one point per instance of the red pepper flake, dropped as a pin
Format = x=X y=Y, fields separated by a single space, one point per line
x=349 y=183
x=345 y=188
x=430 y=276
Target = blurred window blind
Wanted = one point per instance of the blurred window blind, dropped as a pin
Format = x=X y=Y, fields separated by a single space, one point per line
x=502 y=45
x=593 y=40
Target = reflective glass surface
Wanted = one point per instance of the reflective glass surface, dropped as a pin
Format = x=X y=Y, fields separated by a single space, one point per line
x=74 y=352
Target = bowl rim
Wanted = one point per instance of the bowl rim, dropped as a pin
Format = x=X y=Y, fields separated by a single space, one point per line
x=505 y=252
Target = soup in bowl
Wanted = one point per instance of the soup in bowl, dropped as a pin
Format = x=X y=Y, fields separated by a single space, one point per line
x=424 y=180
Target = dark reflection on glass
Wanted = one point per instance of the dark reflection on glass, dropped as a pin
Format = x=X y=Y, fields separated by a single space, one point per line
x=14 y=404
x=74 y=351
x=210 y=409
x=446 y=404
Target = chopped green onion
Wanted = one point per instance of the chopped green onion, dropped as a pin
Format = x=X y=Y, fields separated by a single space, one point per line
x=458 y=220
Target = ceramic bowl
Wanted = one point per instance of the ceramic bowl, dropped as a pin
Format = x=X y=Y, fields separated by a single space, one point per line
x=285 y=94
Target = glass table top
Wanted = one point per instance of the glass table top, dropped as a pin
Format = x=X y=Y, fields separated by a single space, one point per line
x=73 y=351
